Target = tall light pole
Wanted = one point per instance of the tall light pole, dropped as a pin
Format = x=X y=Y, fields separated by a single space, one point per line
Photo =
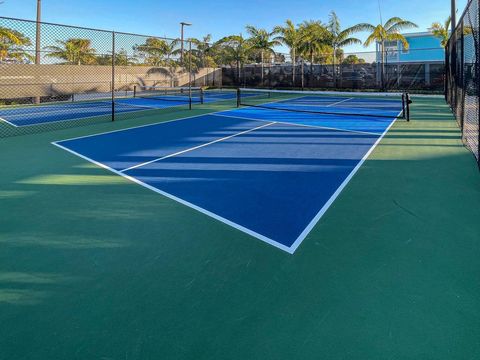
x=453 y=15
x=38 y=40
x=38 y=31
x=182 y=25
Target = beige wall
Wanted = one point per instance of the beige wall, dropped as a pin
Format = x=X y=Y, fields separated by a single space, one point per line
x=20 y=80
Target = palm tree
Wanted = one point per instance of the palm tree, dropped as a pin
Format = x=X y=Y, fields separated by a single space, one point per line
x=155 y=51
x=204 y=50
x=390 y=31
x=73 y=51
x=234 y=49
x=340 y=38
x=12 y=43
x=260 y=40
x=121 y=59
x=315 y=40
x=442 y=31
x=290 y=36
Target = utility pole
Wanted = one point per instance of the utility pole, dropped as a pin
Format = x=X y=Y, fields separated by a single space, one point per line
x=182 y=25
x=38 y=40
x=38 y=32
x=453 y=16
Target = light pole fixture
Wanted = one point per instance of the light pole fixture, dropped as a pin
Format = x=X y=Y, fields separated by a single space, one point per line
x=182 y=25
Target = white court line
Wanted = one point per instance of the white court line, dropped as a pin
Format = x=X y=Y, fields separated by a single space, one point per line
x=302 y=125
x=145 y=108
x=8 y=122
x=337 y=192
x=62 y=108
x=196 y=147
x=141 y=126
x=263 y=238
x=339 y=102
x=184 y=202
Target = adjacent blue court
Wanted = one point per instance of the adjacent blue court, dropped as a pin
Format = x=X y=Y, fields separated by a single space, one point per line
x=28 y=115
x=269 y=173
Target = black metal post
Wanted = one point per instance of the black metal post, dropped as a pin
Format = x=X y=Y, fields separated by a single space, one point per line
x=181 y=43
x=238 y=97
x=182 y=24
x=453 y=15
x=408 y=102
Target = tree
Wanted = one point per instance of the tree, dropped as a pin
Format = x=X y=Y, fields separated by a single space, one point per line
x=155 y=51
x=234 y=49
x=204 y=50
x=74 y=51
x=290 y=36
x=315 y=40
x=353 y=59
x=390 y=31
x=12 y=44
x=441 y=31
x=121 y=58
x=261 y=41
x=340 y=38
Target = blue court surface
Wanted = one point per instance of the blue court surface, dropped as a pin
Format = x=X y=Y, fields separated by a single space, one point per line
x=269 y=173
x=67 y=111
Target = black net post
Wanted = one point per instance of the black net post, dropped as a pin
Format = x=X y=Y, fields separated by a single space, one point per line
x=408 y=101
x=238 y=97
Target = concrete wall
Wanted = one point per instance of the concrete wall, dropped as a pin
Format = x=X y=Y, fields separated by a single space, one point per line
x=25 y=80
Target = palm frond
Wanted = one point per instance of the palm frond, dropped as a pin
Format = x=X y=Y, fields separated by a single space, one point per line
x=401 y=25
x=349 y=41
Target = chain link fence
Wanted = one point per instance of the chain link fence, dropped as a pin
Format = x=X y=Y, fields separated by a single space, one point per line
x=55 y=76
x=463 y=82
x=348 y=71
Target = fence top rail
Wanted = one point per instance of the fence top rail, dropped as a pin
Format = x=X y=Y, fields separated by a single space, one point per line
x=91 y=29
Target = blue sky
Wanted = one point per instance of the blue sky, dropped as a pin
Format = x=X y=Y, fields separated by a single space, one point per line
x=225 y=17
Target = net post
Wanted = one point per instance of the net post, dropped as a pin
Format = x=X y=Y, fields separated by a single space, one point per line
x=408 y=102
x=134 y=91
x=113 y=76
x=404 y=114
x=238 y=98
x=202 y=96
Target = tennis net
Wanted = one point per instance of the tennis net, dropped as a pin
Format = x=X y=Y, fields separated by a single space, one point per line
x=378 y=105
x=180 y=94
